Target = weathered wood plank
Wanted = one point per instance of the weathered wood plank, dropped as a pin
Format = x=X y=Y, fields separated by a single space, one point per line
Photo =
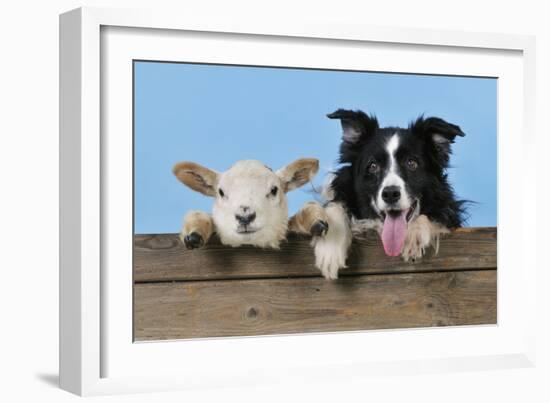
x=276 y=306
x=164 y=258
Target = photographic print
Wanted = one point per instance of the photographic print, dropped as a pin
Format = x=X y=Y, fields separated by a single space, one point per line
x=275 y=200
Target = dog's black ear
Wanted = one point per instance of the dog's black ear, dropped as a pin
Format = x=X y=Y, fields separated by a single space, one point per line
x=439 y=133
x=356 y=125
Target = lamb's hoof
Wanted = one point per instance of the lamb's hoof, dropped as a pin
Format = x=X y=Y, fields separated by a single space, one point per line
x=193 y=241
x=319 y=228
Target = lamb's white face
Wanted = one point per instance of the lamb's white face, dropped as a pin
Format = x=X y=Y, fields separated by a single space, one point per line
x=250 y=206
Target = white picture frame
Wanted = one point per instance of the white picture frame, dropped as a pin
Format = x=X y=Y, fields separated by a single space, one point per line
x=96 y=355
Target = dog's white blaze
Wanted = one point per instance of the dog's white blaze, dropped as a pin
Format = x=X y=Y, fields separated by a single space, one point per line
x=392 y=178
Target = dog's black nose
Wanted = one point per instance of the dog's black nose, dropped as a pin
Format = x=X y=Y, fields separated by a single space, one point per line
x=245 y=219
x=391 y=194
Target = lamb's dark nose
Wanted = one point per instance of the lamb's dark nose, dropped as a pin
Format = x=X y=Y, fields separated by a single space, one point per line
x=391 y=194
x=245 y=219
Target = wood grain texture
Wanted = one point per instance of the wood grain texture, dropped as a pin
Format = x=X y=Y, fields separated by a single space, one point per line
x=164 y=258
x=182 y=310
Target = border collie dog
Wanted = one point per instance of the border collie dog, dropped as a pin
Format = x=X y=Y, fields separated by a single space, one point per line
x=393 y=180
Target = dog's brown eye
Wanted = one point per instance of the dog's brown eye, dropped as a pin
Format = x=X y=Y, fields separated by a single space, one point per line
x=373 y=167
x=412 y=164
x=220 y=191
x=273 y=191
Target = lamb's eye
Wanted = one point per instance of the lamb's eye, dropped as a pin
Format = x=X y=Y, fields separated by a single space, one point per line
x=273 y=191
x=220 y=191
x=412 y=164
x=373 y=167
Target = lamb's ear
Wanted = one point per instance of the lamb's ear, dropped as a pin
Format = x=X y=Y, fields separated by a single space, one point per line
x=440 y=133
x=356 y=125
x=197 y=177
x=298 y=173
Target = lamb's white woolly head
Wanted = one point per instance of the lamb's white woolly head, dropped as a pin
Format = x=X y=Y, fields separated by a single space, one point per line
x=250 y=206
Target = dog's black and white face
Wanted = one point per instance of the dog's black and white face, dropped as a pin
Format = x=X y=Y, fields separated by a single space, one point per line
x=394 y=174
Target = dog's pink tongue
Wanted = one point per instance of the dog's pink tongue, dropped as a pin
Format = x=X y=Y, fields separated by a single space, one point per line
x=394 y=233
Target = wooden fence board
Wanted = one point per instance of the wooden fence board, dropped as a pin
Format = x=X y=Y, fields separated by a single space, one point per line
x=180 y=310
x=164 y=258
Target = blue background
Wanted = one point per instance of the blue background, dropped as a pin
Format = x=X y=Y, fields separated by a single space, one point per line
x=216 y=115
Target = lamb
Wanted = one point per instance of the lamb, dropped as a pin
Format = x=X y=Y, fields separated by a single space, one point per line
x=250 y=206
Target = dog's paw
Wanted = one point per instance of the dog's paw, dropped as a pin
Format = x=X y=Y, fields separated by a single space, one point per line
x=193 y=240
x=331 y=250
x=319 y=228
x=414 y=249
x=419 y=238
x=329 y=258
